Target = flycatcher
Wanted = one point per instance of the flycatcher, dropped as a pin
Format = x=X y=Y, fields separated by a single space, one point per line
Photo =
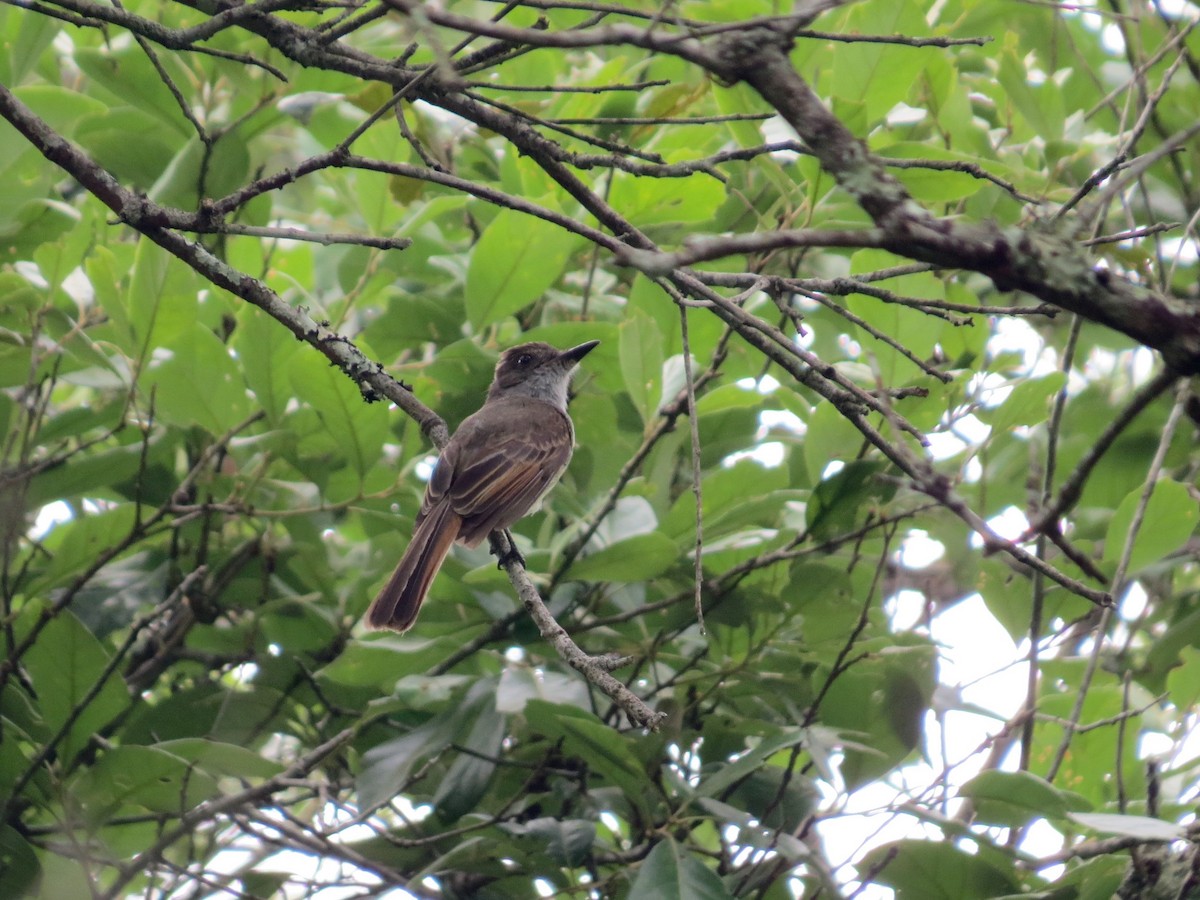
x=496 y=468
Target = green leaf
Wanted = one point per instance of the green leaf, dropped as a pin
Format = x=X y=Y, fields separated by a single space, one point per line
x=520 y=685
x=243 y=715
x=671 y=873
x=264 y=885
x=141 y=777
x=751 y=833
x=639 y=558
x=1012 y=799
x=776 y=798
x=825 y=595
x=1141 y=827
x=24 y=37
x=836 y=503
x=65 y=877
x=830 y=437
x=378 y=663
x=106 y=139
x=736 y=99
x=879 y=704
x=298 y=624
x=196 y=171
x=641 y=354
x=86 y=476
x=877 y=74
x=912 y=329
x=605 y=751
x=729 y=773
x=568 y=842
x=936 y=870
x=217 y=758
x=200 y=384
x=131 y=78
x=61 y=107
x=20 y=730
x=264 y=348
x=469 y=776
x=356 y=428
x=19 y=866
x=744 y=494
x=1040 y=105
x=65 y=665
x=661 y=200
x=1089 y=767
x=1095 y=879
x=1169 y=521
x=1183 y=676
x=728 y=396
x=1028 y=404
x=161 y=300
x=517 y=259
x=386 y=766
x=111 y=380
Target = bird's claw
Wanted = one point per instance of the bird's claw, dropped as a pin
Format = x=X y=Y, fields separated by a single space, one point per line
x=512 y=554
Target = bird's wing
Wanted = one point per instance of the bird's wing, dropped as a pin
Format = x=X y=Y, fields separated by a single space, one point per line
x=501 y=471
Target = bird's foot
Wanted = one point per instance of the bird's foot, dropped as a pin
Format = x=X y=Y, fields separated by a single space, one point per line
x=512 y=554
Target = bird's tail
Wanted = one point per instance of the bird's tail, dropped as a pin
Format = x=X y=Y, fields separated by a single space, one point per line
x=398 y=603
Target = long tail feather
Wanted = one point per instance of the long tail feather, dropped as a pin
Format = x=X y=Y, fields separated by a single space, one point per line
x=398 y=603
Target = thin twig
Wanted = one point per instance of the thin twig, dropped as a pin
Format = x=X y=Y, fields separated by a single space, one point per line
x=1072 y=487
x=694 y=427
x=211 y=810
x=1119 y=582
x=566 y=89
x=596 y=669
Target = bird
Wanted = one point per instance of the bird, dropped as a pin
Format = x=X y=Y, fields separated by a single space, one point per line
x=496 y=468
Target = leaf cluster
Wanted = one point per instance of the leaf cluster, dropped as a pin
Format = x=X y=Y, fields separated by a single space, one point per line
x=878 y=289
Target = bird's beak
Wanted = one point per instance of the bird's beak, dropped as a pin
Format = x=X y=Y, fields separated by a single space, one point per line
x=575 y=354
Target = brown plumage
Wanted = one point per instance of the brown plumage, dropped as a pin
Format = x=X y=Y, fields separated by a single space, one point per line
x=494 y=470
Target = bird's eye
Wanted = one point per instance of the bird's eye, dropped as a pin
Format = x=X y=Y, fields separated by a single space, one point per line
x=524 y=359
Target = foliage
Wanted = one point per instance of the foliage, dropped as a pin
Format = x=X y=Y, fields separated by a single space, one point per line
x=984 y=321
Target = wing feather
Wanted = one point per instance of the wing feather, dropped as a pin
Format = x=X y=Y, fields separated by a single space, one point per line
x=502 y=460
